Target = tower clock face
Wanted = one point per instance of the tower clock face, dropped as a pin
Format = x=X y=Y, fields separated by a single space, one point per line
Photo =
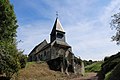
x=59 y=35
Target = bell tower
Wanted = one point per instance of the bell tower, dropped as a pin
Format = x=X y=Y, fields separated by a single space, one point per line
x=57 y=32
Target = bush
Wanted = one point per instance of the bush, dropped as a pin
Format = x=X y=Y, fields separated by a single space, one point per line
x=22 y=59
x=9 y=63
x=88 y=62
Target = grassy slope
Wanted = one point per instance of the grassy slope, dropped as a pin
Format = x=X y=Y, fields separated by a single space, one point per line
x=115 y=74
x=41 y=71
x=38 y=71
x=107 y=76
x=95 y=67
x=111 y=67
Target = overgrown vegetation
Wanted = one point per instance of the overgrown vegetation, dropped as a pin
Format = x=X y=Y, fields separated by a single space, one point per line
x=11 y=60
x=89 y=62
x=107 y=76
x=110 y=65
x=95 y=67
x=115 y=24
x=115 y=73
x=110 y=69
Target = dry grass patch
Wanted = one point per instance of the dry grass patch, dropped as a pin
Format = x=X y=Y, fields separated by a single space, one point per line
x=38 y=71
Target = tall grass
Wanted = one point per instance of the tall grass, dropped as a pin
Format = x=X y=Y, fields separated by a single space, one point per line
x=95 y=67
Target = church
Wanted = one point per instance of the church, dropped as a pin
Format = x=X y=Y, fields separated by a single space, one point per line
x=58 y=50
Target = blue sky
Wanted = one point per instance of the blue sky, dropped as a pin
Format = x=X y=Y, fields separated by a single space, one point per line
x=86 y=23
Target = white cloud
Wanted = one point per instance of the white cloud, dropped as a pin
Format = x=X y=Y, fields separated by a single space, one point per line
x=89 y=37
x=31 y=35
x=109 y=10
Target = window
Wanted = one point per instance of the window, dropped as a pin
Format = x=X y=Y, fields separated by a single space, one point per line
x=59 y=35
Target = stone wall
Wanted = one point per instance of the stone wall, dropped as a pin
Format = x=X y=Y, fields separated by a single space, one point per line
x=44 y=55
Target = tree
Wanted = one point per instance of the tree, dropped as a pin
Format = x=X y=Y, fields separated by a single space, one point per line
x=22 y=59
x=115 y=24
x=10 y=57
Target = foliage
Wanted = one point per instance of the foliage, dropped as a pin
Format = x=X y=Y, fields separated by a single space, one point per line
x=95 y=67
x=110 y=64
x=106 y=58
x=11 y=59
x=22 y=59
x=88 y=62
x=107 y=76
x=115 y=23
x=9 y=62
x=115 y=73
x=8 y=21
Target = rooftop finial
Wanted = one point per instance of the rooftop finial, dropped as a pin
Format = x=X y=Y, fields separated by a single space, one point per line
x=56 y=14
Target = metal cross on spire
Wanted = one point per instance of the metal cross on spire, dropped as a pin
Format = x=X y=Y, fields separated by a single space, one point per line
x=56 y=14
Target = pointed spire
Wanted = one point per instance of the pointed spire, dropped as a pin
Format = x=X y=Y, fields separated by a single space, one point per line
x=57 y=31
x=57 y=26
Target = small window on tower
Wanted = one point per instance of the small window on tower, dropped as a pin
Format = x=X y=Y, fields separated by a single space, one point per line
x=59 y=35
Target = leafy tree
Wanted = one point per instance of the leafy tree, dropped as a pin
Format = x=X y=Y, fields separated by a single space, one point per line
x=11 y=60
x=8 y=22
x=88 y=62
x=115 y=24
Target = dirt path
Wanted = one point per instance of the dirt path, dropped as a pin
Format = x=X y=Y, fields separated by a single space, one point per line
x=88 y=76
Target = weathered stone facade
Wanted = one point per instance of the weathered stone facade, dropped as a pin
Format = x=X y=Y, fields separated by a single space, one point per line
x=58 y=50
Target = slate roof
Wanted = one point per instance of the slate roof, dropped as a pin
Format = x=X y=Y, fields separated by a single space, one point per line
x=58 y=42
x=42 y=44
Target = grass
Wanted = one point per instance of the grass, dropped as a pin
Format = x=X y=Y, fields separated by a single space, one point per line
x=107 y=76
x=41 y=71
x=115 y=73
x=38 y=71
x=95 y=67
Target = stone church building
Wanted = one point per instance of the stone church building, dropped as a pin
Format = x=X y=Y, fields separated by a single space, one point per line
x=58 y=49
